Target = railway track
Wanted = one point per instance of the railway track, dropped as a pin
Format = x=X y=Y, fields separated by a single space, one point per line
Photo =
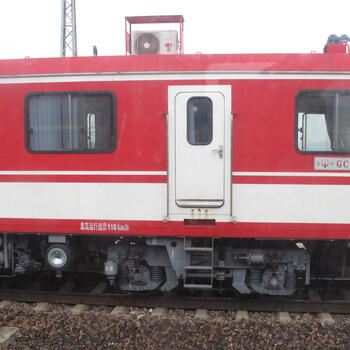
x=312 y=301
x=199 y=311
x=137 y=310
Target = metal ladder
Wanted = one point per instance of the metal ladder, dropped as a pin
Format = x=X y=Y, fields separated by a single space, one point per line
x=199 y=257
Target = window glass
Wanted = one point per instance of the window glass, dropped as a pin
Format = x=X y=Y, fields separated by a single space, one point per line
x=323 y=121
x=71 y=122
x=199 y=121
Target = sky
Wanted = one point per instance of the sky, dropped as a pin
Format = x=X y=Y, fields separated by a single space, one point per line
x=32 y=27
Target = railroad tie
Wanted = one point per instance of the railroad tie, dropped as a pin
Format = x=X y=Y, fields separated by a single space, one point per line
x=4 y=303
x=284 y=317
x=100 y=288
x=118 y=310
x=346 y=294
x=201 y=314
x=159 y=311
x=67 y=287
x=41 y=307
x=325 y=317
x=8 y=336
x=79 y=308
x=242 y=315
x=314 y=295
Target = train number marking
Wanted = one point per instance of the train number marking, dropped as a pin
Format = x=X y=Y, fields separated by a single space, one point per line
x=103 y=226
x=332 y=163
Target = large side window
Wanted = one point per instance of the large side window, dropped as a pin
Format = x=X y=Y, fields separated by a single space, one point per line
x=77 y=122
x=323 y=121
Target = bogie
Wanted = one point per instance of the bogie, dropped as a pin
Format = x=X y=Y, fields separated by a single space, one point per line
x=165 y=263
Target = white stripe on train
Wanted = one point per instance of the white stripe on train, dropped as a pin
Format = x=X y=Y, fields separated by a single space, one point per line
x=268 y=203
x=171 y=76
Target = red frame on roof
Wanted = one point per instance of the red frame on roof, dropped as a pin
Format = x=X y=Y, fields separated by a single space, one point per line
x=129 y=21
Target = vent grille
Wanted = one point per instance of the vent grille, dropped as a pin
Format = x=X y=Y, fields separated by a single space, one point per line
x=146 y=44
x=155 y=43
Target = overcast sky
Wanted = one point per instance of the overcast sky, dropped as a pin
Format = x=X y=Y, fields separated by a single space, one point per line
x=32 y=27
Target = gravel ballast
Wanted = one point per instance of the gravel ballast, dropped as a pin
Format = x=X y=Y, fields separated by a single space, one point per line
x=58 y=328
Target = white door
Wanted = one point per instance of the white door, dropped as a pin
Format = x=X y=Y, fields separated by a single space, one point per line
x=199 y=161
x=199 y=119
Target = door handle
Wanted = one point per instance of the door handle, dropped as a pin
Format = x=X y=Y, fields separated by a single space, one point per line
x=220 y=151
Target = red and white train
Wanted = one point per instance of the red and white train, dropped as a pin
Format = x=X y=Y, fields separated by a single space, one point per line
x=159 y=170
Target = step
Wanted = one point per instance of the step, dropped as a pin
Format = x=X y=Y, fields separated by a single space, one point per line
x=199 y=267
x=198 y=249
x=198 y=286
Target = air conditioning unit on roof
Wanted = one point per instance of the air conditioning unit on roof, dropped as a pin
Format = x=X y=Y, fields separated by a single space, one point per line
x=156 y=42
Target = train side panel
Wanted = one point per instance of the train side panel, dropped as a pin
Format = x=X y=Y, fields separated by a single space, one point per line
x=276 y=191
x=177 y=174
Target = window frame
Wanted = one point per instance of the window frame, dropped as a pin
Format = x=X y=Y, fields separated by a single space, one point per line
x=72 y=93
x=296 y=130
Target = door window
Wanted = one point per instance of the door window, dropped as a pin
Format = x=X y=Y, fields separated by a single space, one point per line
x=199 y=121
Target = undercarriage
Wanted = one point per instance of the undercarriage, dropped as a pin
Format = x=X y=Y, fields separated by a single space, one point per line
x=247 y=266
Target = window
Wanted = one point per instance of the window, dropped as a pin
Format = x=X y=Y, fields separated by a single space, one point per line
x=199 y=121
x=323 y=121
x=77 y=122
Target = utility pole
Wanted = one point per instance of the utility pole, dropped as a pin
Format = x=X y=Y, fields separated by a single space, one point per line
x=68 y=29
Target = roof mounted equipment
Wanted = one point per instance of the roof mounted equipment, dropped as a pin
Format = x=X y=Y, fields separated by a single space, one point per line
x=337 y=44
x=153 y=42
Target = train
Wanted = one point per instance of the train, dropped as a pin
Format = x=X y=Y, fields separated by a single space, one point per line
x=170 y=170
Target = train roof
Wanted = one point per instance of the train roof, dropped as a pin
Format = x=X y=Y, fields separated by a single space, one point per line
x=323 y=62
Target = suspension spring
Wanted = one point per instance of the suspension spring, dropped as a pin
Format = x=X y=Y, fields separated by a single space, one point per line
x=123 y=273
x=255 y=275
x=156 y=273
x=291 y=280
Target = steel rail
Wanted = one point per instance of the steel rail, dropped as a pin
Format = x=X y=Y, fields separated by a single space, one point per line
x=186 y=302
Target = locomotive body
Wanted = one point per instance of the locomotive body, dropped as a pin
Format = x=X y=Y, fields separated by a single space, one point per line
x=205 y=170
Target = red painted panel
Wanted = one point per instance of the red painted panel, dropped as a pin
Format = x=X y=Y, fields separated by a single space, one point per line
x=177 y=228
x=198 y=62
x=263 y=132
x=141 y=129
x=263 y=129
